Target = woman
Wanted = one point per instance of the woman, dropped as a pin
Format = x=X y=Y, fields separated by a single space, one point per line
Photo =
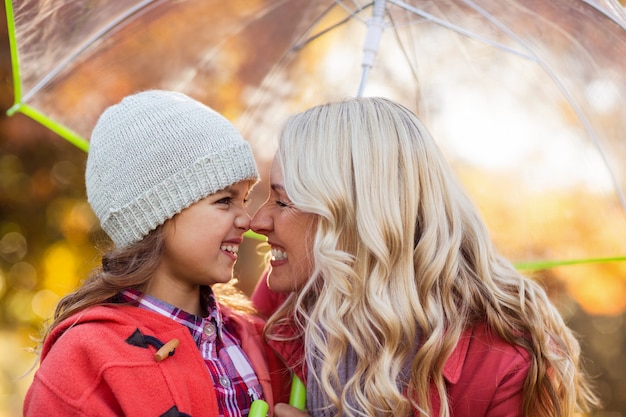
x=400 y=304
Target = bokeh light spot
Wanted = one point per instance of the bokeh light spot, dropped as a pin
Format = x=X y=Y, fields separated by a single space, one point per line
x=44 y=303
x=59 y=268
x=23 y=275
x=13 y=247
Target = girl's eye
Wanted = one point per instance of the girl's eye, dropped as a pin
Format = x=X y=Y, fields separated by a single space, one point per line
x=225 y=200
x=230 y=201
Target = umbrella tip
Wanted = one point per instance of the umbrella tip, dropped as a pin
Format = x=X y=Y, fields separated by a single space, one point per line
x=14 y=109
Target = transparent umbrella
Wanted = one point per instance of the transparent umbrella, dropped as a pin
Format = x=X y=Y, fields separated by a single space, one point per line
x=526 y=97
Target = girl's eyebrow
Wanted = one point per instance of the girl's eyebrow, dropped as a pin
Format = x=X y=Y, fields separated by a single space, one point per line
x=234 y=192
x=228 y=190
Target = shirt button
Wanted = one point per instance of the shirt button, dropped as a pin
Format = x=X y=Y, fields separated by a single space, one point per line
x=224 y=381
x=209 y=329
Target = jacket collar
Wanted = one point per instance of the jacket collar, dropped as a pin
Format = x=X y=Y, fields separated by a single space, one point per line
x=454 y=365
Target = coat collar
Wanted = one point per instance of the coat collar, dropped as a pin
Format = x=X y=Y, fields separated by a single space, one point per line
x=454 y=365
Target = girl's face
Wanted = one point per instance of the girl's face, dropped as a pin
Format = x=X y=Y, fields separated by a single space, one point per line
x=201 y=243
x=290 y=235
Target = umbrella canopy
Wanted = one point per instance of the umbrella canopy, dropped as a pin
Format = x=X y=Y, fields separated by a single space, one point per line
x=526 y=97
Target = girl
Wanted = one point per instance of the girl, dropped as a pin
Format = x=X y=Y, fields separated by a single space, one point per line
x=168 y=179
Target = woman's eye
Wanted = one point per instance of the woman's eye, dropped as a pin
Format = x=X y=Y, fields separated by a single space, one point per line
x=281 y=204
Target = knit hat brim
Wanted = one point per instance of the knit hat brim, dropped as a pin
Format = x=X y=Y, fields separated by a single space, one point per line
x=134 y=221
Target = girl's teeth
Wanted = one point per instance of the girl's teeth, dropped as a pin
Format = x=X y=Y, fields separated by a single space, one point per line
x=228 y=248
x=278 y=255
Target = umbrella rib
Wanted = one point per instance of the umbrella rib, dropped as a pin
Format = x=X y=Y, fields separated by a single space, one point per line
x=577 y=109
x=459 y=29
x=310 y=39
x=615 y=13
x=86 y=44
x=412 y=65
x=352 y=14
x=359 y=8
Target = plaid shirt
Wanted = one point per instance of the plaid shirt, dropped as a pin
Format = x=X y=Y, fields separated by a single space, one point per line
x=236 y=384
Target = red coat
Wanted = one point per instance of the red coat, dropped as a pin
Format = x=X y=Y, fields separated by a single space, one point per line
x=89 y=369
x=484 y=374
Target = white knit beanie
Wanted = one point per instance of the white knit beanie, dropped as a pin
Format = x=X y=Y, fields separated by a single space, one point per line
x=156 y=153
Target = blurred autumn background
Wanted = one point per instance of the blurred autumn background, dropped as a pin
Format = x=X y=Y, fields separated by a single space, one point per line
x=50 y=239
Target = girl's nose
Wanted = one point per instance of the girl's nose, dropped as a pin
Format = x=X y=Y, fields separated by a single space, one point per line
x=242 y=221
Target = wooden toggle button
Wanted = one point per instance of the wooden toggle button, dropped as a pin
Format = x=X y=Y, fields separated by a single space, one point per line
x=166 y=350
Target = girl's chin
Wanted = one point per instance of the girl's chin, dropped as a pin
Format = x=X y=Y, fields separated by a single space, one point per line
x=221 y=279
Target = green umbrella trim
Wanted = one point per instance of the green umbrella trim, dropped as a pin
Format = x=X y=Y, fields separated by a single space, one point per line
x=541 y=265
x=62 y=130
x=17 y=87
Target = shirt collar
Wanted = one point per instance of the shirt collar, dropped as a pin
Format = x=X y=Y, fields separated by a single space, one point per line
x=195 y=323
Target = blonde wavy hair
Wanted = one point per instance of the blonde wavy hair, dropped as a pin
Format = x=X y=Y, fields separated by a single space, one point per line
x=402 y=255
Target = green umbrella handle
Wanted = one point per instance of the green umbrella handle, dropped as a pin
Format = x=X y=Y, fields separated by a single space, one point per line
x=258 y=408
x=297 y=398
